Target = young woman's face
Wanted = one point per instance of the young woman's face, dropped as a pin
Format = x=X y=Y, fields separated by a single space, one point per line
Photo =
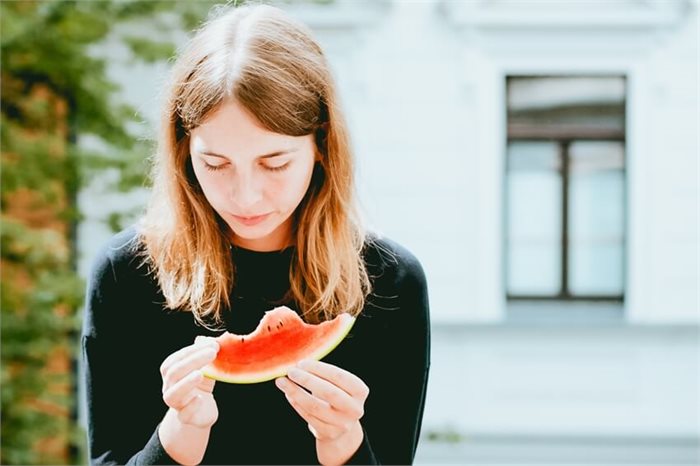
x=253 y=178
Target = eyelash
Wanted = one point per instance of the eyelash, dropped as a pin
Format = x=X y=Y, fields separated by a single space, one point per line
x=213 y=168
x=277 y=169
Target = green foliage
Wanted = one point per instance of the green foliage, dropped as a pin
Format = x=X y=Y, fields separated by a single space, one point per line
x=33 y=331
x=148 y=50
x=55 y=89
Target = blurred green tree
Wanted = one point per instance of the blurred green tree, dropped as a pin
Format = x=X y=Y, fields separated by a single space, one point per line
x=54 y=89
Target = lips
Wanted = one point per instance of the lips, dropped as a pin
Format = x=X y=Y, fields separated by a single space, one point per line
x=250 y=220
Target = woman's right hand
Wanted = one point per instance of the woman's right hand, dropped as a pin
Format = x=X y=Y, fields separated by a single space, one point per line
x=185 y=389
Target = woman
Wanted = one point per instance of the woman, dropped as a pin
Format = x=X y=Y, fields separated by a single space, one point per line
x=252 y=206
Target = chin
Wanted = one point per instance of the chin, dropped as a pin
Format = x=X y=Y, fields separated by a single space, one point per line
x=251 y=232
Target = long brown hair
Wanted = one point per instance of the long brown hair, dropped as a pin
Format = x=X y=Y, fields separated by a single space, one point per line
x=271 y=65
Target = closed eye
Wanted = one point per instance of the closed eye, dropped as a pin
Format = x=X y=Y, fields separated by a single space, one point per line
x=214 y=168
x=276 y=169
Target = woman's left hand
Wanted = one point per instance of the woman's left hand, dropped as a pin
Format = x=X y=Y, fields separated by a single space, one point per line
x=332 y=405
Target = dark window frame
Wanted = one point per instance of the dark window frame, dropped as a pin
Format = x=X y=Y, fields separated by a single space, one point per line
x=563 y=138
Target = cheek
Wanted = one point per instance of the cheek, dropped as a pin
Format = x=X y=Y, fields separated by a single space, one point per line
x=291 y=189
x=212 y=186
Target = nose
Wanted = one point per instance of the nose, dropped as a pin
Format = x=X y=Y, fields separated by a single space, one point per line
x=246 y=192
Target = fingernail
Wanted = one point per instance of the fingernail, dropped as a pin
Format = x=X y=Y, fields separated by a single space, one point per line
x=281 y=383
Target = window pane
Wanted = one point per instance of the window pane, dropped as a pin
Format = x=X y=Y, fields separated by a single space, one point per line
x=534 y=218
x=596 y=218
x=566 y=107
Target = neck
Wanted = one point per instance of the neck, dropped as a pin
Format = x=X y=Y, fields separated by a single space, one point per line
x=275 y=241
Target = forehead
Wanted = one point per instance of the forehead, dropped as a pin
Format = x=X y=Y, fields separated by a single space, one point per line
x=231 y=130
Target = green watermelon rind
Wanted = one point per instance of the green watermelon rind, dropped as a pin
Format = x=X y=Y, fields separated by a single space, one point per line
x=260 y=377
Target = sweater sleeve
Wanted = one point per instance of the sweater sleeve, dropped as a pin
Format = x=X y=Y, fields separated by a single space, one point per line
x=394 y=409
x=117 y=433
x=364 y=454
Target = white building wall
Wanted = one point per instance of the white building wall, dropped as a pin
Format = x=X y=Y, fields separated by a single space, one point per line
x=670 y=144
x=562 y=382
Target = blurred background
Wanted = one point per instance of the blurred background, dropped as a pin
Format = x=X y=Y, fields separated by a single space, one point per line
x=539 y=157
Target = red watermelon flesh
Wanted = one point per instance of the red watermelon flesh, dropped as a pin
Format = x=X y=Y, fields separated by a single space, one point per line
x=279 y=342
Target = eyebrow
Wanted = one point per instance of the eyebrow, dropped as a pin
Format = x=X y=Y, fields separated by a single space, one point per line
x=265 y=156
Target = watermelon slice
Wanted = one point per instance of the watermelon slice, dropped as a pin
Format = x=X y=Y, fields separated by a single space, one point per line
x=281 y=340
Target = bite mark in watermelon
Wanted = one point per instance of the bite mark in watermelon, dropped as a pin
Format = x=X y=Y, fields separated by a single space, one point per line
x=279 y=342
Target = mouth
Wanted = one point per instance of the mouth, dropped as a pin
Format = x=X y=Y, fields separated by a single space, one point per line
x=250 y=220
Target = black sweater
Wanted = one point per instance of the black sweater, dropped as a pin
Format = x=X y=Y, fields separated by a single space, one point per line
x=127 y=333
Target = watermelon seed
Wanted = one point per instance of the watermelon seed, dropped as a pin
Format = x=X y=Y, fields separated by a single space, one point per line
x=242 y=340
x=268 y=328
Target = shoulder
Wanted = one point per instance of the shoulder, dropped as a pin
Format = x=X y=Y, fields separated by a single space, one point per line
x=388 y=259
x=118 y=254
x=116 y=282
x=398 y=300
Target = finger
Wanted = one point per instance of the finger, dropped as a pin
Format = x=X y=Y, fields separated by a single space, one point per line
x=314 y=406
x=319 y=429
x=188 y=413
x=192 y=362
x=199 y=413
x=324 y=432
x=183 y=391
x=187 y=351
x=201 y=339
x=206 y=385
x=313 y=431
x=346 y=381
x=183 y=352
x=327 y=391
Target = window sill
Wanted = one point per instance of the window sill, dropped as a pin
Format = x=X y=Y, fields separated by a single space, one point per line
x=563 y=316
x=565 y=313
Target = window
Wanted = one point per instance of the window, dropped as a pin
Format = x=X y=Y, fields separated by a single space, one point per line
x=565 y=188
